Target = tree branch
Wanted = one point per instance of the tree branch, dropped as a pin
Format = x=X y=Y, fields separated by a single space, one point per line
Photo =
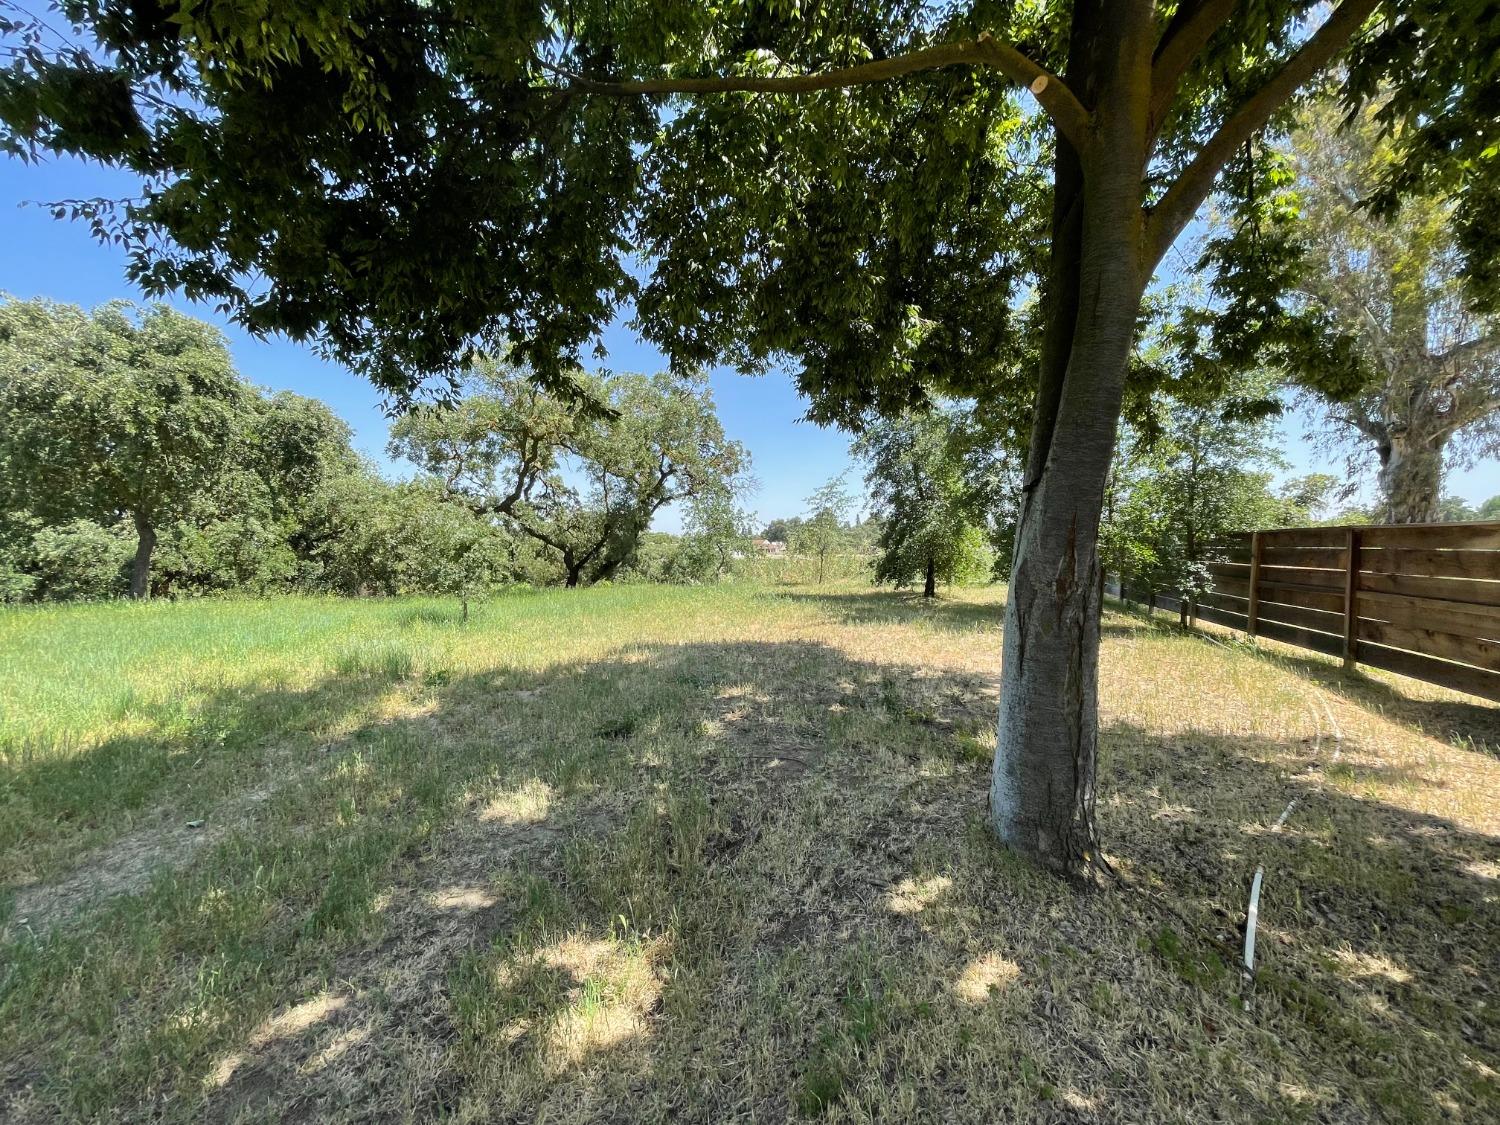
x=1191 y=188
x=1056 y=98
x=1190 y=29
x=1469 y=349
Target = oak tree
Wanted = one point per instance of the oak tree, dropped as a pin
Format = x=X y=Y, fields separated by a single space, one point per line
x=583 y=475
x=120 y=413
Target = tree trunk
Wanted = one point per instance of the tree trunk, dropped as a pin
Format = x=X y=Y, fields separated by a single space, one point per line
x=929 y=588
x=1042 y=787
x=140 y=568
x=1411 y=480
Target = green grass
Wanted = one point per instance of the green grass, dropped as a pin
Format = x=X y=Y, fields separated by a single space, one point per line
x=645 y=852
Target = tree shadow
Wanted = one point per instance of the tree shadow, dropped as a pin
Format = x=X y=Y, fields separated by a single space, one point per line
x=1376 y=920
x=691 y=880
x=179 y=754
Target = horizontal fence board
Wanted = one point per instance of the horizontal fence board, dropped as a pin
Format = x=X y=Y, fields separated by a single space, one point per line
x=1466 y=591
x=1466 y=650
x=1432 y=536
x=1305 y=537
x=1457 y=677
x=1221 y=570
x=1431 y=563
x=1323 y=620
x=1425 y=613
x=1220 y=600
x=1301 y=576
x=1309 y=597
x=1223 y=617
x=1323 y=557
x=1302 y=638
x=1238 y=587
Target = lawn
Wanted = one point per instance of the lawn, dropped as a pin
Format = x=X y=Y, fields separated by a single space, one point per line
x=641 y=853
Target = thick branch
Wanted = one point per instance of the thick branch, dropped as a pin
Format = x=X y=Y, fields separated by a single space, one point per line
x=1053 y=94
x=1187 y=194
x=1191 y=27
x=1469 y=349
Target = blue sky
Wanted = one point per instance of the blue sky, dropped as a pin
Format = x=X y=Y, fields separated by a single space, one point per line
x=42 y=256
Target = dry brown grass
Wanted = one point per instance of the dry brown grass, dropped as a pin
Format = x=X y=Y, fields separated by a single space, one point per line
x=720 y=855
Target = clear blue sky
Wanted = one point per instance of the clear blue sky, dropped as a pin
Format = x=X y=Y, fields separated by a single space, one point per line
x=42 y=256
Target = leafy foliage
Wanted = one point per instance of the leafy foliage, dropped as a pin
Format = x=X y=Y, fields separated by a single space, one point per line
x=1175 y=492
x=878 y=233
x=930 y=515
x=119 y=412
x=822 y=532
x=583 y=480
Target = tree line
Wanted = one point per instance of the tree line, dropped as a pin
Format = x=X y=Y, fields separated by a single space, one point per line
x=135 y=459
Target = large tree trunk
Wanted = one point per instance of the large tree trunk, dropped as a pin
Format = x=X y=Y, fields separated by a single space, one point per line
x=929 y=587
x=1042 y=787
x=140 y=567
x=1411 y=480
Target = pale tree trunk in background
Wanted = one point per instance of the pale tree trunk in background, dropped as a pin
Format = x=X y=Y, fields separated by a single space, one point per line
x=1411 y=479
x=140 y=567
x=1042 y=787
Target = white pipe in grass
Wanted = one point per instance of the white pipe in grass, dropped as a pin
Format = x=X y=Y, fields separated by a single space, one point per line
x=1251 y=915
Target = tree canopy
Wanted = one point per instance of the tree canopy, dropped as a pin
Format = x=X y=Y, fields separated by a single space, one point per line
x=931 y=519
x=583 y=475
x=1393 y=283
x=407 y=179
x=120 y=412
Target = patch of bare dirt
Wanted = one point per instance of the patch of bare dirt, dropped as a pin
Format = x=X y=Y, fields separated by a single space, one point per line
x=127 y=865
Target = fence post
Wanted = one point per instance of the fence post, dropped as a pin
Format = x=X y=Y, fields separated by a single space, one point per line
x=1252 y=611
x=1351 y=598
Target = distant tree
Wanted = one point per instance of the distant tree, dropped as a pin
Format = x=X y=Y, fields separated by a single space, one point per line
x=1454 y=509
x=249 y=531
x=1313 y=493
x=822 y=532
x=366 y=535
x=930 y=517
x=1489 y=510
x=80 y=561
x=1200 y=472
x=715 y=534
x=781 y=530
x=584 y=477
x=122 y=412
x=1381 y=329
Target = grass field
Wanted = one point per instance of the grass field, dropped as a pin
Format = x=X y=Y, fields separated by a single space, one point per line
x=649 y=853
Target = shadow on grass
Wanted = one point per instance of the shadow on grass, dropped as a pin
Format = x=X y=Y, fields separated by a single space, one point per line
x=694 y=880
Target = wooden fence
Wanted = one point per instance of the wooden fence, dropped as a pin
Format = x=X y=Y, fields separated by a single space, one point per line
x=1422 y=600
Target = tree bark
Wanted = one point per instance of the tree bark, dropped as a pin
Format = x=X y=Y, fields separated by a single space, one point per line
x=1411 y=480
x=140 y=567
x=1042 y=786
x=929 y=588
